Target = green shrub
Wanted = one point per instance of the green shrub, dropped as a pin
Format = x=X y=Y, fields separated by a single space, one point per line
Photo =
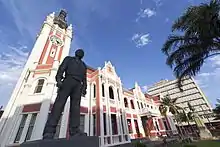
x=139 y=144
x=190 y=145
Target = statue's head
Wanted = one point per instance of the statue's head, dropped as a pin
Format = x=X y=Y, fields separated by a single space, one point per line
x=79 y=53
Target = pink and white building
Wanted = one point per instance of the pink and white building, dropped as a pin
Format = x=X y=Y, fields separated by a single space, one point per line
x=108 y=110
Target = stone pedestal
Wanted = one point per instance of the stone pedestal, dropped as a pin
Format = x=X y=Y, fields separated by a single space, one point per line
x=82 y=141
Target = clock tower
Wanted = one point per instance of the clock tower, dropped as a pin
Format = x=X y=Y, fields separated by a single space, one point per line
x=36 y=87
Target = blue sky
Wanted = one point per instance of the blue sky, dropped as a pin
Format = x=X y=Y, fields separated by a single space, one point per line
x=129 y=33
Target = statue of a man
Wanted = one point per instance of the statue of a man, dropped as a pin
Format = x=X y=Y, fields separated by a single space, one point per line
x=74 y=84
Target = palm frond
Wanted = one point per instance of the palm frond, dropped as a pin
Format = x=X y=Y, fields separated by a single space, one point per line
x=198 y=38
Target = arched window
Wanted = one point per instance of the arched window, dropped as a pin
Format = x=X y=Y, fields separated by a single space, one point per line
x=138 y=104
x=142 y=105
x=126 y=102
x=103 y=90
x=39 y=86
x=94 y=90
x=132 y=104
x=111 y=93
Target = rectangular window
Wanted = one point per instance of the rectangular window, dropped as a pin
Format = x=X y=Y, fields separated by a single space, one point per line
x=136 y=127
x=129 y=126
x=82 y=122
x=122 y=125
x=94 y=90
x=31 y=126
x=94 y=124
x=104 y=119
x=114 y=124
x=21 y=128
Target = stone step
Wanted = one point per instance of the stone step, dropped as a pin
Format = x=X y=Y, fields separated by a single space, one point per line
x=80 y=141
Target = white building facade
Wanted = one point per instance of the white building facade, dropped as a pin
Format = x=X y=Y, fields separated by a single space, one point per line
x=191 y=93
x=105 y=110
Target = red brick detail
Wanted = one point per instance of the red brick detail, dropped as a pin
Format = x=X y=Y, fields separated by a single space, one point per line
x=45 y=48
x=113 y=109
x=98 y=107
x=150 y=125
x=58 y=33
x=161 y=124
x=134 y=116
x=83 y=109
x=136 y=135
x=93 y=109
x=31 y=107
x=104 y=108
x=153 y=134
x=128 y=115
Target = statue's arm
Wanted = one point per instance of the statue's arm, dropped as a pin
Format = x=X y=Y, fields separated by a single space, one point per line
x=59 y=77
x=85 y=82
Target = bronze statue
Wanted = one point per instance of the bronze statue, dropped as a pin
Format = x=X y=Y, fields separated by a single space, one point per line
x=74 y=84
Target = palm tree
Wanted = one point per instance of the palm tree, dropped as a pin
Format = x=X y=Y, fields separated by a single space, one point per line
x=187 y=117
x=217 y=110
x=169 y=105
x=195 y=37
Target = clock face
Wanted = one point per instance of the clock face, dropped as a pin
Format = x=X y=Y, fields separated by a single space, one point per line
x=56 y=40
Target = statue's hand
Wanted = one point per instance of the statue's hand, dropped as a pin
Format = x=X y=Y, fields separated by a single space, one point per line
x=59 y=84
x=83 y=93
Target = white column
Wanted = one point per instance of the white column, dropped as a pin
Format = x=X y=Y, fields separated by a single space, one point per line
x=140 y=126
x=108 y=129
x=86 y=130
x=65 y=120
x=133 y=126
x=101 y=109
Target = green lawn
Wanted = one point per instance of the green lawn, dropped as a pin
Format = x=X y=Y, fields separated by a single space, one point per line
x=201 y=144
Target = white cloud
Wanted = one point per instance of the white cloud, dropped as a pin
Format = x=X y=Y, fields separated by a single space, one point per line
x=144 y=88
x=141 y=39
x=209 y=77
x=145 y=13
x=158 y=2
x=11 y=65
x=215 y=61
x=167 y=20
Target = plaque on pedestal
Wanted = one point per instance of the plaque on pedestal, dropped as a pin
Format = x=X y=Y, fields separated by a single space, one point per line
x=82 y=141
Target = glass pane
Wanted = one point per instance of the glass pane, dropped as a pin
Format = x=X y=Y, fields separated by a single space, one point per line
x=29 y=133
x=41 y=82
x=31 y=126
x=38 y=89
x=21 y=127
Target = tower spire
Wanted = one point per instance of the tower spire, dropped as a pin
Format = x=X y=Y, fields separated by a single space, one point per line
x=60 y=20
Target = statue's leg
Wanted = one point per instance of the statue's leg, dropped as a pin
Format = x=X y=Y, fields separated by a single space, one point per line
x=58 y=106
x=75 y=99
